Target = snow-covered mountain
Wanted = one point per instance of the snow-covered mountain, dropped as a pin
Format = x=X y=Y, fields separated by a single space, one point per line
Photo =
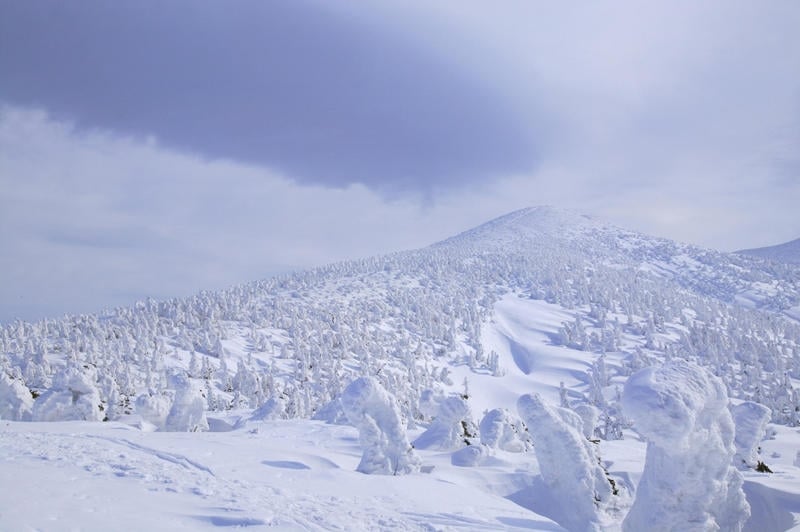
x=786 y=252
x=541 y=301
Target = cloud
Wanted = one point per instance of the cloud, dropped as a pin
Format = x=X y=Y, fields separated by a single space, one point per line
x=322 y=98
x=92 y=219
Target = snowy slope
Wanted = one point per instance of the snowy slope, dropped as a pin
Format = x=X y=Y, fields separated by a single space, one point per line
x=786 y=252
x=538 y=301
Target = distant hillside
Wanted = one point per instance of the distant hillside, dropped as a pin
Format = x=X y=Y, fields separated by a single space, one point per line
x=786 y=252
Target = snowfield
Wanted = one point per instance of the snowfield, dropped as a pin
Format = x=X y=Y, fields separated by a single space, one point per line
x=544 y=371
x=300 y=475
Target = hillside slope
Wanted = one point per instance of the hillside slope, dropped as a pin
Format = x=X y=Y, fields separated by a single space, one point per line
x=415 y=319
x=788 y=252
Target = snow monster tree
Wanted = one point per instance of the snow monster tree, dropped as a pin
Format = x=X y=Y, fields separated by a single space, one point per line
x=688 y=481
x=373 y=411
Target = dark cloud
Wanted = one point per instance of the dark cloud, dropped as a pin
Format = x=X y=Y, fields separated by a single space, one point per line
x=318 y=95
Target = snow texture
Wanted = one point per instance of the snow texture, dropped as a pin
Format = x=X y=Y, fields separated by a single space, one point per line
x=569 y=464
x=688 y=482
x=373 y=411
x=751 y=422
x=273 y=408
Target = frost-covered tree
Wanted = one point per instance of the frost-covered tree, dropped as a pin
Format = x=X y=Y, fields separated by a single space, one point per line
x=154 y=407
x=373 y=411
x=570 y=466
x=750 y=420
x=688 y=481
x=452 y=427
x=73 y=396
x=500 y=429
x=15 y=399
x=187 y=413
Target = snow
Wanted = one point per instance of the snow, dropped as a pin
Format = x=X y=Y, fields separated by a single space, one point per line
x=501 y=429
x=286 y=475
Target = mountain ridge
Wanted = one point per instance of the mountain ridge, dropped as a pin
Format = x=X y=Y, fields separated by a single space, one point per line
x=788 y=252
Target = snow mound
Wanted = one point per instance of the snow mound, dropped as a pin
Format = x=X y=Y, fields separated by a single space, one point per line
x=373 y=411
x=688 y=482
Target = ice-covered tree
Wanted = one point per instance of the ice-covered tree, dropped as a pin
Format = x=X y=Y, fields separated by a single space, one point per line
x=373 y=411
x=688 y=481
x=500 y=429
x=16 y=400
x=750 y=420
x=579 y=487
x=452 y=427
x=187 y=413
x=73 y=396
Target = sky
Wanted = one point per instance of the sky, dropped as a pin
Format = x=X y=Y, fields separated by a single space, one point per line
x=155 y=149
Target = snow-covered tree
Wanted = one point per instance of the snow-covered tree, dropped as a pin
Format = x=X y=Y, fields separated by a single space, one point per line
x=579 y=486
x=187 y=413
x=688 y=481
x=750 y=420
x=373 y=411
x=500 y=429
x=451 y=429
x=73 y=396
x=16 y=400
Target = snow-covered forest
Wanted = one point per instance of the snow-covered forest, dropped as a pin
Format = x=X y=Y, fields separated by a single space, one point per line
x=543 y=348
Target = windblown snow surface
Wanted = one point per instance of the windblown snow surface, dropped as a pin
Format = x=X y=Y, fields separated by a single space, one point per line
x=223 y=409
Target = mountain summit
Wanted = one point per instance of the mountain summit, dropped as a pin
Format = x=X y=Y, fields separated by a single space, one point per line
x=529 y=223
